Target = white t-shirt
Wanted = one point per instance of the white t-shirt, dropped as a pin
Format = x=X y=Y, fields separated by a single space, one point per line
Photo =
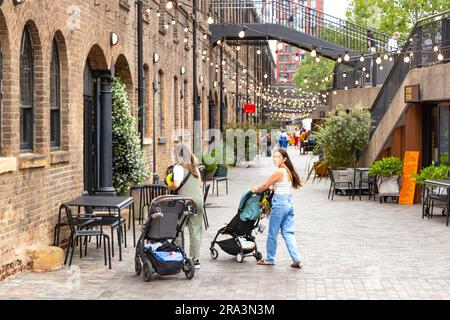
x=178 y=173
x=297 y=134
x=284 y=135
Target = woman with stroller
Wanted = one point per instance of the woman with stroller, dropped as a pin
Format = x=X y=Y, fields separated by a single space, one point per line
x=187 y=182
x=282 y=214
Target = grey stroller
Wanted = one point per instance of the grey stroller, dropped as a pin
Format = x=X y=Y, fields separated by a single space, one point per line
x=156 y=250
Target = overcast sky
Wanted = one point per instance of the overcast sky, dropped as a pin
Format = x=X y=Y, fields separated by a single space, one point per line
x=335 y=8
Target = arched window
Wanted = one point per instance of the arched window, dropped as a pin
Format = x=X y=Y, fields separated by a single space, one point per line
x=26 y=92
x=176 y=117
x=55 y=98
x=160 y=88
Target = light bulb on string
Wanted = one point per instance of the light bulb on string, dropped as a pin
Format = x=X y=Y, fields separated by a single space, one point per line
x=440 y=57
x=339 y=59
x=346 y=57
x=280 y=46
x=406 y=59
x=169 y=5
x=361 y=58
x=242 y=34
x=378 y=60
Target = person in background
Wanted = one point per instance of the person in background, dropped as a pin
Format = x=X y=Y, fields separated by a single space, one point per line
x=303 y=139
x=371 y=44
x=296 y=137
x=278 y=137
x=283 y=139
x=393 y=42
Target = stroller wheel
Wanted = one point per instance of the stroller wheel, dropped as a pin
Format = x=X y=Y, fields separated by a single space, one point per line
x=214 y=253
x=137 y=266
x=258 y=256
x=147 y=271
x=239 y=258
x=189 y=268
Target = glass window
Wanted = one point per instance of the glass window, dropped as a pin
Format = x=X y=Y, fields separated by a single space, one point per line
x=55 y=98
x=26 y=92
x=175 y=103
x=284 y=58
x=443 y=134
x=160 y=101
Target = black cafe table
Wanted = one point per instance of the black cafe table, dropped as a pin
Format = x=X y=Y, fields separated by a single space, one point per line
x=445 y=184
x=111 y=204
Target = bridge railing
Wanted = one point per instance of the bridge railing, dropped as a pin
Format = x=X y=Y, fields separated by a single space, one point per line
x=302 y=18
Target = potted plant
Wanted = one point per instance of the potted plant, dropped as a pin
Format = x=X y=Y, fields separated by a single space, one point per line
x=210 y=164
x=128 y=161
x=353 y=129
x=432 y=172
x=388 y=172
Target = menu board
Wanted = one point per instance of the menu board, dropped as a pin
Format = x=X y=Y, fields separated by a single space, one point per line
x=408 y=188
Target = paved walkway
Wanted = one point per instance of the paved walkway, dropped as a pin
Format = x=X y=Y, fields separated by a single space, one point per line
x=350 y=250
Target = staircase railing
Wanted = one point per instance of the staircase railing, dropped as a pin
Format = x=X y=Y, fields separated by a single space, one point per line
x=426 y=34
x=303 y=19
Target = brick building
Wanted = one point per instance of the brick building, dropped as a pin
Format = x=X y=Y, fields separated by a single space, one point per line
x=56 y=65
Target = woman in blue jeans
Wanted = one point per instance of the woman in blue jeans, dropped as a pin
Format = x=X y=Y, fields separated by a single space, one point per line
x=282 y=216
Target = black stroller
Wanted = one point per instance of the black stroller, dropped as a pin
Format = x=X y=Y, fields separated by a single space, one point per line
x=242 y=243
x=156 y=250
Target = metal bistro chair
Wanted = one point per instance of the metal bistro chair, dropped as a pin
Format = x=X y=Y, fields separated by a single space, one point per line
x=63 y=223
x=220 y=176
x=433 y=199
x=147 y=193
x=334 y=185
x=74 y=223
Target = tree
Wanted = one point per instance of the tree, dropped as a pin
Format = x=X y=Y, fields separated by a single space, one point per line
x=129 y=162
x=388 y=16
x=314 y=72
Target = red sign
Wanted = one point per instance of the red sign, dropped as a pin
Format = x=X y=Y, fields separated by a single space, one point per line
x=249 y=108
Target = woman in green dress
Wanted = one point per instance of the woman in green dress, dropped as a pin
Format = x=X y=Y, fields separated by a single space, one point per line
x=186 y=167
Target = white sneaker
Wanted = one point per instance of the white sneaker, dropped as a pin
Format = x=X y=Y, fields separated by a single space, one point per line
x=197 y=264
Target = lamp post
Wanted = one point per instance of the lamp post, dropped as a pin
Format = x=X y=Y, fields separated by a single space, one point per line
x=155 y=174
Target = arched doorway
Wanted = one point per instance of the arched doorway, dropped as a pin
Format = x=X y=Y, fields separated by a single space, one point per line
x=94 y=150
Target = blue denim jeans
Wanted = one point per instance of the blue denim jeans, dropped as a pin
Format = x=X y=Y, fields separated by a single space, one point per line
x=282 y=217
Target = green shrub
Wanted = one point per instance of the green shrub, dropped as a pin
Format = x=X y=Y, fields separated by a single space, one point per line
x=387 y=167
x=128 y=161
x=432 y=173
x=343 y=135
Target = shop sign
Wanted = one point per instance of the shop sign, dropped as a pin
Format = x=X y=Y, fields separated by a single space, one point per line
x=410 y=166
x=412 y=93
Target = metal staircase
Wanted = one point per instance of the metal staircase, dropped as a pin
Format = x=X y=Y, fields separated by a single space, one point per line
x=293 y=23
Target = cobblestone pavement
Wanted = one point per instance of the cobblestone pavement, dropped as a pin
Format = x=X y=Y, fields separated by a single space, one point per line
x=350 y=250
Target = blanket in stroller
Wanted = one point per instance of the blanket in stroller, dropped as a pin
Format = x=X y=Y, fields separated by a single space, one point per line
x=251 y=210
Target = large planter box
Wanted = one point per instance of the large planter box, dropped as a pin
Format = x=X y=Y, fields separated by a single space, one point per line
x=388 y=186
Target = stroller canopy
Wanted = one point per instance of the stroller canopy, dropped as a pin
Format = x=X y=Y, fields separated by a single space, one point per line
x=249 y=206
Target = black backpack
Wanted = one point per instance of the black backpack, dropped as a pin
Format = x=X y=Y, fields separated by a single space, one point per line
x=169 y=170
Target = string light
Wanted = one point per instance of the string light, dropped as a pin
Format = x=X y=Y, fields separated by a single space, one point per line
x=407 y=59
x=313 y=52
x=378 y=61
x=339 y=59
x=440 y=57
x=362 y=58
x=346 y=57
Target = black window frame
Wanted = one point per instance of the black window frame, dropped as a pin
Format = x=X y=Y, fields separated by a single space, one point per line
x=27 y=141
x=55 y=110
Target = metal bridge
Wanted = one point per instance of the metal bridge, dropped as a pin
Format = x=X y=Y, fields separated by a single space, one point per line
x=290 y=22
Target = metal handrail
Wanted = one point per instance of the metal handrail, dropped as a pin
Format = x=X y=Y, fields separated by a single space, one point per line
x=396 y=70
x=309 y=20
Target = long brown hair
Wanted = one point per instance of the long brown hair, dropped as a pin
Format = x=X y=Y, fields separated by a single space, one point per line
x=185 y=158
x=296 y=181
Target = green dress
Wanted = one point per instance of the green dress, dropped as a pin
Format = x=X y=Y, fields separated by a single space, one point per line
x=192 y=189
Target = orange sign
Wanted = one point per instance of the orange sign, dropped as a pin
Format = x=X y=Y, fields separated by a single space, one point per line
x=410 y=166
